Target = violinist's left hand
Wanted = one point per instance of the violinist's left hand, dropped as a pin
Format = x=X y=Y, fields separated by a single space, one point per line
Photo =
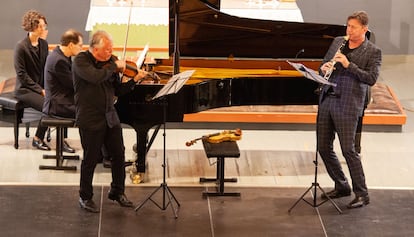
x=120 y=65
x=140 y=75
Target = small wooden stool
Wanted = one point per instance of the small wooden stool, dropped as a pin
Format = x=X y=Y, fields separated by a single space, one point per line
x=222 y=150
x=60 y=124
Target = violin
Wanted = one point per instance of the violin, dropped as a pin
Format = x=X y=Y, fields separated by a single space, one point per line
x=226 y=135
x=130 y=69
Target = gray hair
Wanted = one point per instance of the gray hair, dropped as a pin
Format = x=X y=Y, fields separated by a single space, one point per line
x=98 y=37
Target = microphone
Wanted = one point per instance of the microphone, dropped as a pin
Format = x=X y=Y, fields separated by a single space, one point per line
x=299 y=53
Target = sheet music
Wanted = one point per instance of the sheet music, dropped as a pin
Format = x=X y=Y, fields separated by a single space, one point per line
x=142 y=56
x=310 y=74
x=174 y=84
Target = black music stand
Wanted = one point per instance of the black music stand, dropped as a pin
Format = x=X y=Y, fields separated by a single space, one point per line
x=172 y=87
x=315 y=185
x=312 y=75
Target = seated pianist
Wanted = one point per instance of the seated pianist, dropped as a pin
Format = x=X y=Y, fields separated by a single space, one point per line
x=29 y=60
x=59 y=100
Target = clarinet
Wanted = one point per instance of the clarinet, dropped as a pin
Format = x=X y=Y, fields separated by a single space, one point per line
x=332 y=68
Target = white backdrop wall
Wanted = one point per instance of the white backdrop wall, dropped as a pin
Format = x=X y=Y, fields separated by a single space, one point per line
x=392 y=21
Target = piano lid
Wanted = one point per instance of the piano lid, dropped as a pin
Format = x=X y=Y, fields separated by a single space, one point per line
x=204 y=31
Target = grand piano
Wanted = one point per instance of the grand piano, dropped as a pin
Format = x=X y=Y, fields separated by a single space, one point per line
x=208 y=40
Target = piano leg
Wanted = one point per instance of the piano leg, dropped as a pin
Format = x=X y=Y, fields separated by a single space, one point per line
x=137 y=174
x=141 y=150
x=143 y=145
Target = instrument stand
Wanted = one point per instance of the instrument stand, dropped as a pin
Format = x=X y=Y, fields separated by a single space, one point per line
x=172 y=87
x=315 y=186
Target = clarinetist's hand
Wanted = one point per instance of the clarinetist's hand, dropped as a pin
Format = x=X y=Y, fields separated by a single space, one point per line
x=327 y=66
x=342 y=59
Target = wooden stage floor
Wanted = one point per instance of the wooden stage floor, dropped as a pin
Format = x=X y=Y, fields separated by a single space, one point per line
x=53 y=211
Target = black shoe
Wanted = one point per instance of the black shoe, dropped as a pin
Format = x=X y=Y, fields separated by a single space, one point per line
x=121 y=199
x=41 y=145
x=335 y=194
x=358 y=202
x=88 y=205
x=67 y=148
x=106 y=163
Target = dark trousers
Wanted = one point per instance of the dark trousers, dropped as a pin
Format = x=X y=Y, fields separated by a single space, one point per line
x=92 y=141
x=330 y=120
x=34 y=101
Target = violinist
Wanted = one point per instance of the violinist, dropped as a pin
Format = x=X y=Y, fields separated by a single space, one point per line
x=96 y=83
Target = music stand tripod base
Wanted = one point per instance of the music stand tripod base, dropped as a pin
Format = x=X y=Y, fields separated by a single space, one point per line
x=166 y=193
x=314 y=203
x=315 y=185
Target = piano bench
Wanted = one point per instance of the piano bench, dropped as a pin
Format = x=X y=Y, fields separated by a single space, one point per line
x=12 y=111
x=221 y=151
x=60 y=124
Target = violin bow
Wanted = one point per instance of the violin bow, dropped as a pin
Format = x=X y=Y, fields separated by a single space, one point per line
x=127 y=32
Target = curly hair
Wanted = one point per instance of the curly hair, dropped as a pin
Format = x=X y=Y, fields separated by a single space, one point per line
x=30 y=20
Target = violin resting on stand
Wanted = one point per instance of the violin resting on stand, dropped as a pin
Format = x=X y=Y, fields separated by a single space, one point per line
x=226 y=135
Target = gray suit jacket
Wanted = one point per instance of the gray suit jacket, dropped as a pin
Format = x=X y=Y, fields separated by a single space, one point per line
x=353 y=82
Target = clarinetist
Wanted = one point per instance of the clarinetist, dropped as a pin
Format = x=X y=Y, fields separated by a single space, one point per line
x=355 y=64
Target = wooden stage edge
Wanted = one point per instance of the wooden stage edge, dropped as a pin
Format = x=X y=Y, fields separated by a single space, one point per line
x=394 y=121
x=285 y=117
x=283 y=121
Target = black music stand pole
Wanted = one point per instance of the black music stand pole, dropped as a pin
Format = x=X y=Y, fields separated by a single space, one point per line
x=312 y=75
x=172 y=87
x=315 y=185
